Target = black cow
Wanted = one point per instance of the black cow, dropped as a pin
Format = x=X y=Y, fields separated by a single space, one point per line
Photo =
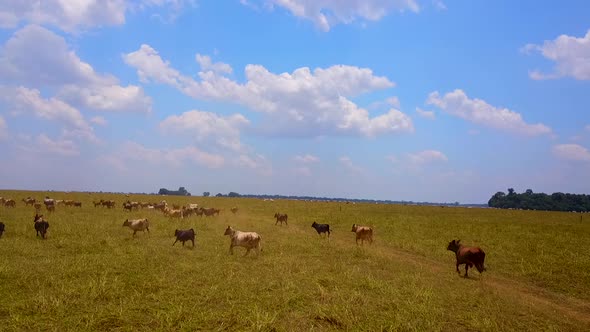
x=41 y=225
x=184 y=235
x=321 y=228
x=1 y=228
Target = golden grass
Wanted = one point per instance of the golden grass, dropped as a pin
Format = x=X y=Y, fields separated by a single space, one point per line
x=90 y=274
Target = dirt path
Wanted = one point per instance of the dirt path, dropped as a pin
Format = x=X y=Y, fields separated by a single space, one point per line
x=527 y=295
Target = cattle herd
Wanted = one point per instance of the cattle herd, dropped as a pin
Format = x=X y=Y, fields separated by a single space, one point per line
x=469 y=256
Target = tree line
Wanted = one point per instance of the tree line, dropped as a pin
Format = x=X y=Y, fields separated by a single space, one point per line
x=540 y=201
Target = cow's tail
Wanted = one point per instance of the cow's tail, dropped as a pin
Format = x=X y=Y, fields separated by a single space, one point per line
x=480 y=257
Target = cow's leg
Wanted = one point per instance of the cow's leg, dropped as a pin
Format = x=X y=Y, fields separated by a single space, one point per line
x=457 y=267
x=174 y=242
x=134 y=233
x=466 y=268
x=193 y=241
x=247 y=252
x=231 y=249
x=148 y=229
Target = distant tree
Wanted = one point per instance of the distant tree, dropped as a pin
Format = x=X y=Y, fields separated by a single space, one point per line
x=233 y=194
x=206 y=194
x=540 y=201
x=219 y=195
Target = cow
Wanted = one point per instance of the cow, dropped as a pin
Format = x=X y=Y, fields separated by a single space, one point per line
x=184 y=235
x=364 y=233
x=10 y=203
x=1 y=228
x=234 y=210
x=41 y=225
x=248 y=240
x=282 y=218
x=321 y=228
x=137 y=225
x=29 y=200
x=469 y=256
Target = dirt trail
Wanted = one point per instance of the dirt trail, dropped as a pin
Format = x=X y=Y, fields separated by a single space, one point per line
x=527 y=295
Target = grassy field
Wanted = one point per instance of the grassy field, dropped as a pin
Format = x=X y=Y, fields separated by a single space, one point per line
x=90 y=274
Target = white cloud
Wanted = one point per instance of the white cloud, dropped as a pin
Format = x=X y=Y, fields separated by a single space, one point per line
x=302 y=103
x=99 y=120
x=71 y=15
x=307 y=159
x=571 y=56
x=37 y=57
x=327 y=13
x=169 y=157
x=208 y=65
x=587 y=128
x=22 y=99
x=3 y=128
x=439 y=4
x=427 y=156
x=62 y=147
x=457 y=103
x=393 y=101
x=572 y=152
x=224 y=131
x=349 y=165
x=303 y=171
x=256 y=162
x=425 y=114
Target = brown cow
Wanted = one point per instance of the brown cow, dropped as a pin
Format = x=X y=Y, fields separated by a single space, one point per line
x=10 y=203
x=282 y=218
x=467 y=255
x=364 y=233
x=29 y=200
x=234 y=210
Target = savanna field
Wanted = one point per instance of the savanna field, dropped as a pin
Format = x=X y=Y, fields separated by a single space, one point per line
x=91 y=274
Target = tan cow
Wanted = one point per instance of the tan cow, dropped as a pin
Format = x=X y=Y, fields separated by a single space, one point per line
x=364 y=233
x=248 y=240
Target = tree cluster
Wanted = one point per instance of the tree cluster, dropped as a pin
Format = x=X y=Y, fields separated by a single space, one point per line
x=540 y=201
x=180 y=192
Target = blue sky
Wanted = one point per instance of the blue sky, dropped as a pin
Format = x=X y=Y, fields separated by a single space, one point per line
x=422 y=100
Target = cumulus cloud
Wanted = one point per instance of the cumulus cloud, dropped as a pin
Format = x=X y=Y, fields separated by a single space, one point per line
x=349 y=165
x=302 y=103
x=571 y=56
x=478 y=111
x=3 y=128
x=425 y=114
x=427 y=156
x=72 y=16
x=24 y=100
x=328 y=13
x=168 y=157
x=307 y=159
x=53 y=64
x=204 y=126
x=572 y=152
x=207 y=65
x=99 y=120
x=256 y=162
x=62 y=147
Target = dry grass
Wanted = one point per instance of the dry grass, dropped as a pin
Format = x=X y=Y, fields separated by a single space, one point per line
x=90 y=274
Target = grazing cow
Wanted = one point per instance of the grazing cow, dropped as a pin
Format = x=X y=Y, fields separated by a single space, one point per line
x=193 y=206
x=37 y=207
x=161 y=206
x=364 y=233
x=48 y=201
x=69 y=202
x=78 y=204
x=137 y=225
x=173 y=213
x=41 y=225
x=321 y=228
x=97 y=204
x=282 y=218
x=209 y=212
x=176 y=206
x=50 y=208
x=29 y=200
x=469 y=256
x=248 y=240
x=10 y=203
x=234 y=210
x=1 y=228
x=184 y=235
